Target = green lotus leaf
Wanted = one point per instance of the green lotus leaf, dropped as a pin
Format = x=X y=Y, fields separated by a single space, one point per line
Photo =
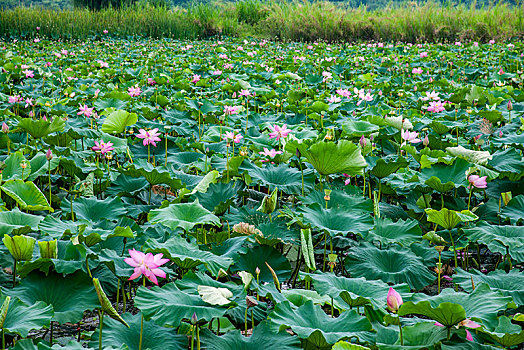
x=21 y=247
x=357 y=128
x=340 y=199
x=40 y=166
x=287 y=179
x=48 y=249
x=169 y=306
x=105 y=304
x=117 y=121
x=203 y=185
x=446 y=313
x=13 y=170
x=263 y=337
x=91 y=236
x=344 y=345
x=475 y=157
x=422 y=335
x=336 y=221
x=21 y=318
x=95 y=210
x=40 y=128
x=269 y=203
x=387 y=231
x=448 y=219
x=509 y=284
x=443 y=177
x=310 y=322
x=385 y=167
x=3 y=310
x=214 y=295
x=331 y=158
x=26 y=194
x=506 y=333
x=155 y=337
x=187 y=255
x=509 y=163
x=514 y=210
x=300 y=296
x=392 y=265
x=482 y=305
x=356 y=291
x=154 y=175
x=69 y=296
x=219 y=196
x=497 y=238
x=257 y=257
x=183 y=215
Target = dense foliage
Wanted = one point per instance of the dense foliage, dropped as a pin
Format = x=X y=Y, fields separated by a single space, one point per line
x=282 y=196
x=296 y=21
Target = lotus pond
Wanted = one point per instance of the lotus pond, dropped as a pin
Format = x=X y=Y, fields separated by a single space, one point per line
x=232 y=194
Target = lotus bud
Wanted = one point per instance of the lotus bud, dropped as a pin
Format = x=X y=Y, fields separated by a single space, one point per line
x=297 y=152
x=510 y=105
x=251 y=302
x=257 y=270
x=21 y=247
x=362 y=141
x=394 y=300
x=48 y=249
x=49 y=154
x=425 y=141
x=194 y=319
x=5 y=128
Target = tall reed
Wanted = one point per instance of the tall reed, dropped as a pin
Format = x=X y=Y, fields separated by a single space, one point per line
x=297 y=21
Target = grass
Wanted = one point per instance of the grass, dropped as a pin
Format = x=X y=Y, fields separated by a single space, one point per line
x=297 y=21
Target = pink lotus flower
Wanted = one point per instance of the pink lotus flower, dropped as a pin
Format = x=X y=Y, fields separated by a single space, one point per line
x=394 y=300
x=134 y=91
x=29 y=73
x=86 y=111
x=149 y=137
x=15 y=99
x=230 y=110
x=269 y=153
x=334 y=99
x=151 y=81
x=103 y=147
x=431 y=96
x=347 y=181
x=436 y=107
x=491 y=42
x=5 y=128
x=423 y=54
x=343 y=92
x=106 y=31
x=196 y=78
x=465 y=323
x=417 y=70
x=147 y=265
x=28 y=102
x=410 y=136
x=477 y=181
x=279 y=132
x=245 y=93
x=230 y=135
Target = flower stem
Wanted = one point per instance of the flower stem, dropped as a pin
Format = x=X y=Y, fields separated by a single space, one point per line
x=400 y=329
x=469 y=199
x=101 y=317
x=454 y=250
